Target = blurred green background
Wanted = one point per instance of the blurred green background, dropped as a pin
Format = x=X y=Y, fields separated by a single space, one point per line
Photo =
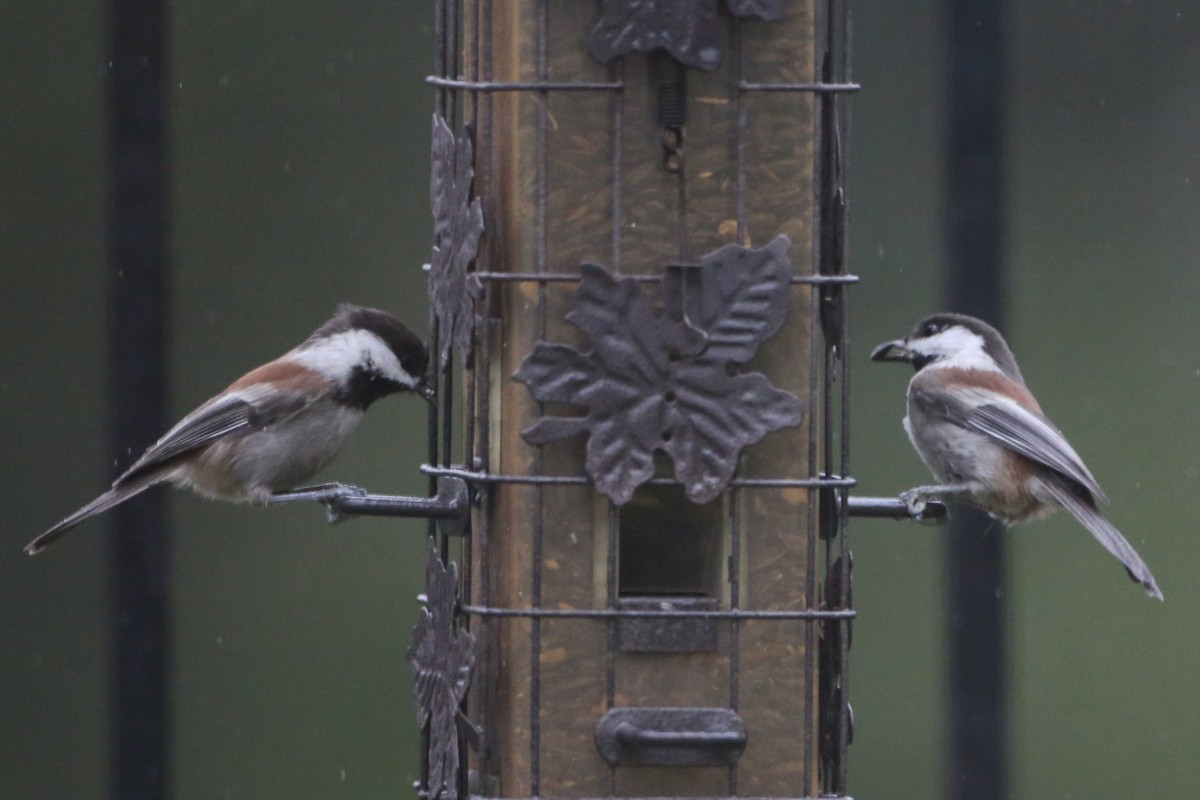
x=299 y=179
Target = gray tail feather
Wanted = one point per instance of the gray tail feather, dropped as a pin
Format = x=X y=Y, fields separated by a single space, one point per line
x=114 y=496
x=1084 y=509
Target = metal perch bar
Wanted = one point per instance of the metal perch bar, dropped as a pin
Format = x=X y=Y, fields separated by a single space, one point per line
x=555 y=277
x=819 y=88
x=665 y=613
x=815 y=87
x=895 y=508
x=870 y=507
x=451 y=505
x=583 y=480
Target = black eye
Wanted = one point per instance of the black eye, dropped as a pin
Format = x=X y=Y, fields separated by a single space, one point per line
x=930 y=328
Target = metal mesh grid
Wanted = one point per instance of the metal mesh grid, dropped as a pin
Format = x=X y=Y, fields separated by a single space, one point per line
x=464 y=93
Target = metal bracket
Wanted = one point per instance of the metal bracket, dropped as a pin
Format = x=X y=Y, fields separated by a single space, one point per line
x=450 y=507
x=671 y=737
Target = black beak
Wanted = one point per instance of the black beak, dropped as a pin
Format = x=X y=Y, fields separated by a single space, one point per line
x=892 y=351
x=427 y=391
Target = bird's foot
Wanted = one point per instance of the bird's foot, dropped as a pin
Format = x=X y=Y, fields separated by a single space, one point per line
x=327 y=494
x=916 y=501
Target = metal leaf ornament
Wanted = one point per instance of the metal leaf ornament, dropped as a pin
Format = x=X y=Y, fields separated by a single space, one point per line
x=457 y=226
x=687 y=29
x=663 y=378
x=442 y=656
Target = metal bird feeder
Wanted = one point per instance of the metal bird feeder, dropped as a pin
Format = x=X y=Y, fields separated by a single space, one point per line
x=639 y=274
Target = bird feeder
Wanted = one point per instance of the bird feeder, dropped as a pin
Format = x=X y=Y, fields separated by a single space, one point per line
x=638 y=304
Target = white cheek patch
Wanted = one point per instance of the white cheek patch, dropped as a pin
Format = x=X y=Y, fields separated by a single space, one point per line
x=955 y=347
x=335 y=356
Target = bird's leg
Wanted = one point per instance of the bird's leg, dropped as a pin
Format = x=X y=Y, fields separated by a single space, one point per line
x=324 y=493
x=917 y=498
x=321 y=492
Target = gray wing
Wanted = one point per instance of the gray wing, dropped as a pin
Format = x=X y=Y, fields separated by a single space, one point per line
x=227 y=415
x=1019 y=429
x=1034 y=437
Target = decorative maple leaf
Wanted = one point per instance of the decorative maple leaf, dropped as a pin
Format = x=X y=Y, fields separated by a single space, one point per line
x=687 y=29
x=457 y=226
x=663 y=379
x=684 y=28
x=442 y=657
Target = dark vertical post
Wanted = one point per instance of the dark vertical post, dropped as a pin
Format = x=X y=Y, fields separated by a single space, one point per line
x=137 y=230
x=974 y=220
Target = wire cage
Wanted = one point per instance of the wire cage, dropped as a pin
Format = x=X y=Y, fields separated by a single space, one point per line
x=639 y=277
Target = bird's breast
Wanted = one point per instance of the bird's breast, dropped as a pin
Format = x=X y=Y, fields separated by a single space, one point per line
x=953 y=453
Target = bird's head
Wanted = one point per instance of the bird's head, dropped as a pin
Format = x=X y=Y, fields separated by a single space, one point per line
x=368 y=354
x=952 y=340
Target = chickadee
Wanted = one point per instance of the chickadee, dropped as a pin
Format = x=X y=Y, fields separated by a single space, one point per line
x=983 y=435
x=278 y=424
